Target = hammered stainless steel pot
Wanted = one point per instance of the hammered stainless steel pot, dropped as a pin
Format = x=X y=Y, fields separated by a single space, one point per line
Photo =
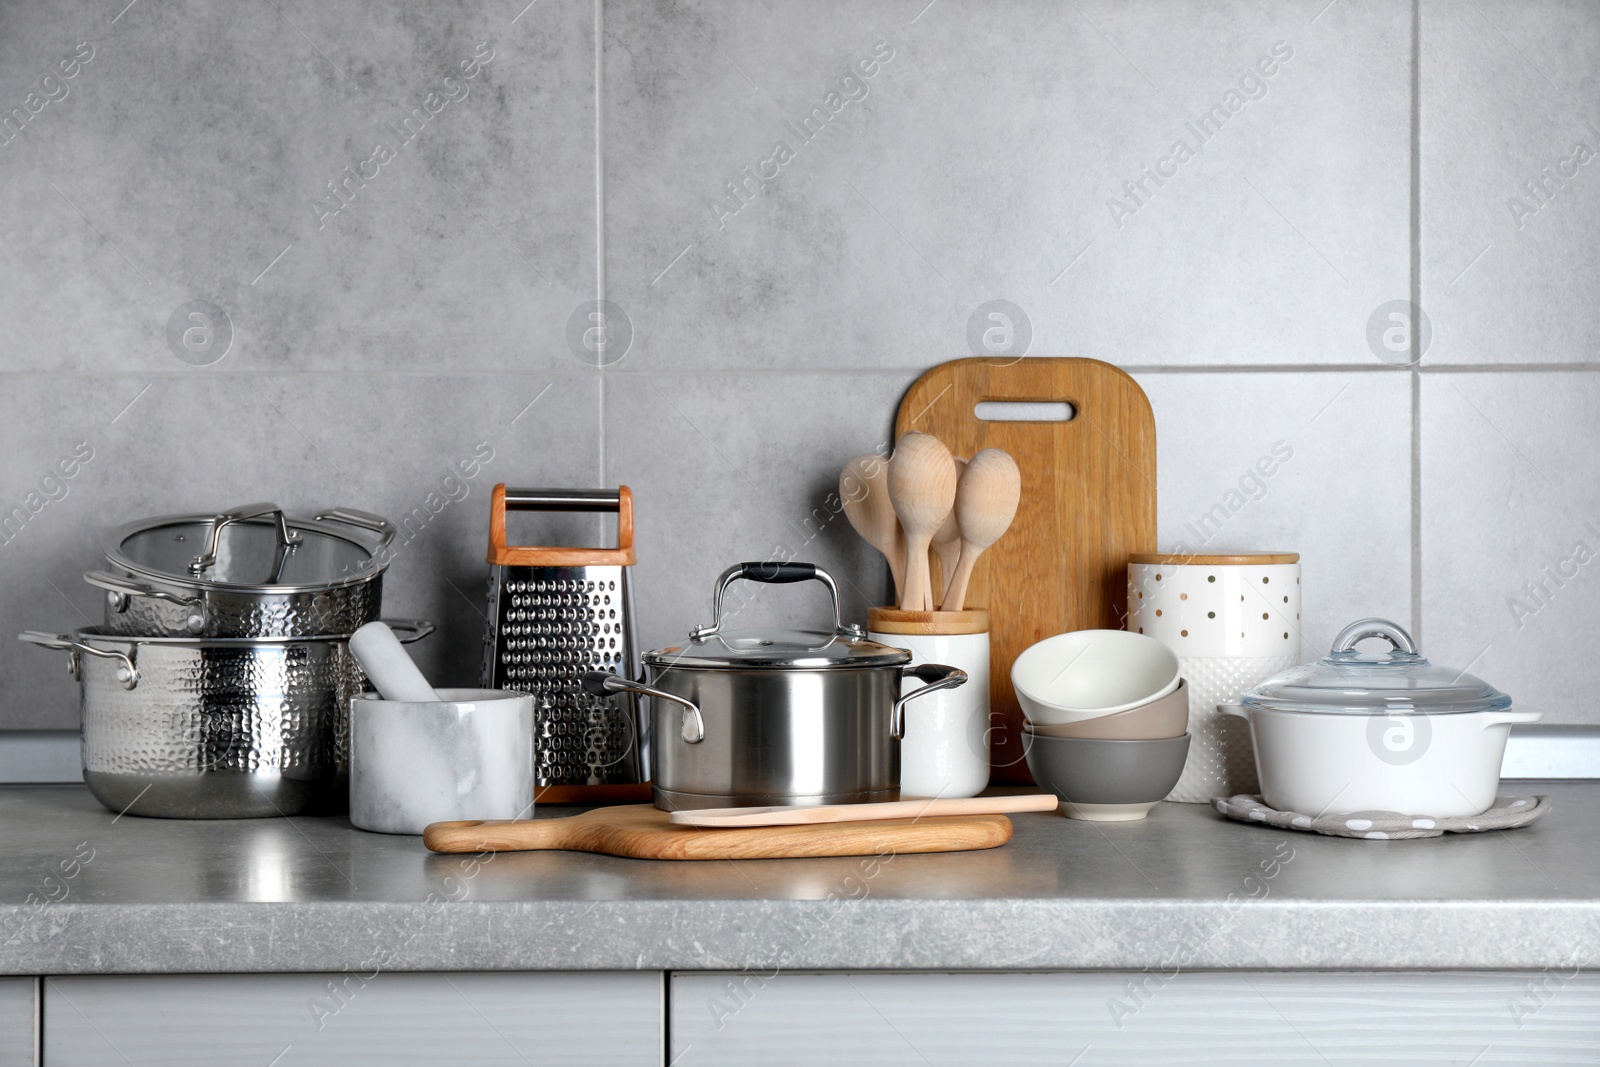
x=215 y=728
x=793 y=717
x=248 y=572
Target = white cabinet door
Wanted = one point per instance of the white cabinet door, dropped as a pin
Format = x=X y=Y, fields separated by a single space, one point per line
x=391 y=1019
x=1098 y=1019
x=19 y=1022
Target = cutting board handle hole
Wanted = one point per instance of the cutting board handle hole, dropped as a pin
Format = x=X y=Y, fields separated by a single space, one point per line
x=1024 y=411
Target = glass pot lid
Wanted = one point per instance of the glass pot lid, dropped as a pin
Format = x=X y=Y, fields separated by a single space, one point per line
x=1397 y=680
x=779 y=650
x=255 y=546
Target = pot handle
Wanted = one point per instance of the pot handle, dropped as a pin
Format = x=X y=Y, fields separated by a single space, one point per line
x=1236 y=710
x=366 y=521
x=1512 y=717
x=286 y=536
x=1362 y=629
x=127 y=674
x=409 y=630
x=121 y=588
x=937 y=675
x=604 y=684
x=775 y=572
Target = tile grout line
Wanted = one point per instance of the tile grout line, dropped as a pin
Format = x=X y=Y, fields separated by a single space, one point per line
x=600 y=222
x=1429 y=370
x=1416 y=334
x=1364 y=367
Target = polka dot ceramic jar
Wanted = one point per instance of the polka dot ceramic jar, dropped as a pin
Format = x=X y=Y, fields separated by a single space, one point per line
x=1232 y=620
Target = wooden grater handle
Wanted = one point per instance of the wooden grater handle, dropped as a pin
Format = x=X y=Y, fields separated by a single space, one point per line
x=504 y=555
x=504 y=835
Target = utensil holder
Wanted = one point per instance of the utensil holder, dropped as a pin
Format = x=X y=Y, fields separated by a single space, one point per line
x=945 y=751
x=1233 y=620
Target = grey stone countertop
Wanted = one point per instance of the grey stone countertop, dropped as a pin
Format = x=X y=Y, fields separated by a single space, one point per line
x=82 y=892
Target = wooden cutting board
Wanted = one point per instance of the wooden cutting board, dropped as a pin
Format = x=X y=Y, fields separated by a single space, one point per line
x=1088 y=500
x=641 y=831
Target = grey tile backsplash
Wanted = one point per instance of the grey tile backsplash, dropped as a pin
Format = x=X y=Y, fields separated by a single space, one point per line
x=319 y=252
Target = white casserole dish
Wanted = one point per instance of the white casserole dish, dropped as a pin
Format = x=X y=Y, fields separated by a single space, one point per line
x=1384 y=731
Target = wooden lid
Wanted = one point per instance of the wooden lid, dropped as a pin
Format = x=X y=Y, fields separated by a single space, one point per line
x=927 y=623
x=1242 y=559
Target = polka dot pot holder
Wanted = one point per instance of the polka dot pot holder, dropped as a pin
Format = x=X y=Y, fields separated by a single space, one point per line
x=1507 y=814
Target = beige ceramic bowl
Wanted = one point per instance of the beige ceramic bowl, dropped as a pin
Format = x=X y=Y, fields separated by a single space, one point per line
x=1162 y=717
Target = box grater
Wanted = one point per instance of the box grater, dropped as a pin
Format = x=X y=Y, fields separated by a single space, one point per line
x=555 y=613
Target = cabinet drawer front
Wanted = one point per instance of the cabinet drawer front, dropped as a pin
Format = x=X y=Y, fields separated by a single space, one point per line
x=387 y=1019
x=1097 y=1019
x=19 y=1021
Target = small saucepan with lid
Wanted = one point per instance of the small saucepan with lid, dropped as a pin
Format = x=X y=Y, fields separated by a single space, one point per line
x=1378 y=731
x=780 y=717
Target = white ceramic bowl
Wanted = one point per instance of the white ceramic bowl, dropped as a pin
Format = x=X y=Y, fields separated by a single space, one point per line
x=1087 y=673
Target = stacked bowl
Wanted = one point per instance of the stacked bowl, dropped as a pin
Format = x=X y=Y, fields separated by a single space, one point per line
x=1107 y=721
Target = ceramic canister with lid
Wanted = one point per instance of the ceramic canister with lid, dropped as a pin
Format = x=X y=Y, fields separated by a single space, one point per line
x=1233 y=620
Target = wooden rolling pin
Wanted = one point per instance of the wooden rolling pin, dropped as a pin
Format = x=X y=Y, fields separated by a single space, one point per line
x=896 y=809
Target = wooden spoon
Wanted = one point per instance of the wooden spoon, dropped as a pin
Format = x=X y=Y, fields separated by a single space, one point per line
x=947 y=541
x=986 y=502
x=864 y=491
x=922 y=487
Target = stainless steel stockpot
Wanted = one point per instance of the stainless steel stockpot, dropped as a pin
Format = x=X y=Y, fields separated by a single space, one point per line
x=248 y=572
x=215 y=728
x=794 y=717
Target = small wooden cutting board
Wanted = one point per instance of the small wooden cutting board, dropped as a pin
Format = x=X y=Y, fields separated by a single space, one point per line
x=641 y=831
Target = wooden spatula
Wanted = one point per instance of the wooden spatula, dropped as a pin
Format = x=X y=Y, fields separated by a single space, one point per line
x=837 y=813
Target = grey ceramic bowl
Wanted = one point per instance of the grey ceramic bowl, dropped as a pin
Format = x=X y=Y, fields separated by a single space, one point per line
x=1106 y=781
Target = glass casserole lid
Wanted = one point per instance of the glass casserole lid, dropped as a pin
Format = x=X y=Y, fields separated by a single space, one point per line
x=1397 y=680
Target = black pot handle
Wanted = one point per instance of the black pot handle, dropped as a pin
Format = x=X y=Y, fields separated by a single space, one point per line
x=774 y=572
